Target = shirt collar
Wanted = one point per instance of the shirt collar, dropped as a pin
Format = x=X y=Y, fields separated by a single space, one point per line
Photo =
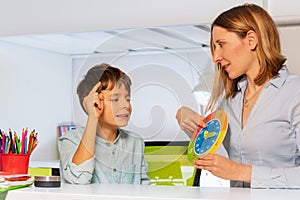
x=277 y=81
x=101 y=140
x=241 y=85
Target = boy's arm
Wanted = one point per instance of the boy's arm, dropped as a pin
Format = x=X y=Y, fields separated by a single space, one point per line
x=70 y=172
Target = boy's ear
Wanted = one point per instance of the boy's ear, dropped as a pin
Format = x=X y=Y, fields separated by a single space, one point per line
x=252 y=39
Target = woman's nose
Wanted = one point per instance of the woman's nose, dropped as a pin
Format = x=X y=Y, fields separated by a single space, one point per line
x=217 y=58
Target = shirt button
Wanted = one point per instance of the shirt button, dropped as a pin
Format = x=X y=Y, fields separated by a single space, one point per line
x=114 y=169
x=113 y=153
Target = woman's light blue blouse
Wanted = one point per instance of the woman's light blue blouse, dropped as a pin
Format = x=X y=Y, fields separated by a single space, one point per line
x=270 y=139
x=120 y=162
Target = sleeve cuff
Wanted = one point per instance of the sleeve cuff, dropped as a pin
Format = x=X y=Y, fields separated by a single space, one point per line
x=260 y=177
x=87 y=166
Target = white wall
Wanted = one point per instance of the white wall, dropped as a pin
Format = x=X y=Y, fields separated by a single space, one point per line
x=34 y=93
x=163 y=81
x=290 y=46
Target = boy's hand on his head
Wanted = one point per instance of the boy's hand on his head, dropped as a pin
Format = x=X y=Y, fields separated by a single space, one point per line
x=93 y=102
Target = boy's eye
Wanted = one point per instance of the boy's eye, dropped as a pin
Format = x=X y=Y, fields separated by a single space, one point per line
x=117 y=99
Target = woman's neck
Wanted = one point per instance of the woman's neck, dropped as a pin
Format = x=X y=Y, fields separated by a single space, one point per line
x=252 y=87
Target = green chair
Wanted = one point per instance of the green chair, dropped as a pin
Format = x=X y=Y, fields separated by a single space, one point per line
x=165 y=163
x=164 y=173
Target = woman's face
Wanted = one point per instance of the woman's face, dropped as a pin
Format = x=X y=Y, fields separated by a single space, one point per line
x=235 y=54
x=116 y=107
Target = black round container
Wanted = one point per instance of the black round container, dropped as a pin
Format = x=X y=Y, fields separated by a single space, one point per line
x=47 y=181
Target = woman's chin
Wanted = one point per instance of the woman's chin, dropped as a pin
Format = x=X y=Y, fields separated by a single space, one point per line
x=232 y=76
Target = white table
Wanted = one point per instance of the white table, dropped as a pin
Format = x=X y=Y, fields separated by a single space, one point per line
x=147 y=192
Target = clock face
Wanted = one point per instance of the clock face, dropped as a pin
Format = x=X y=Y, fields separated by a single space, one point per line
x=208 y=139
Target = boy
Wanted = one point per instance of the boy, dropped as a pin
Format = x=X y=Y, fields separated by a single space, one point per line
x=102 y=152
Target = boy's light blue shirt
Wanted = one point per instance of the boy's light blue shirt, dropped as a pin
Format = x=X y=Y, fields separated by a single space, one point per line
x=120 y=162
x=270 y=139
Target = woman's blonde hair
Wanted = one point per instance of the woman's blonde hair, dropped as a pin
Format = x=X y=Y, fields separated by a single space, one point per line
x=240 y=20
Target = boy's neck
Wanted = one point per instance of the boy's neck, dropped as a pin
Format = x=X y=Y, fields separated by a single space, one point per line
x=108 y=134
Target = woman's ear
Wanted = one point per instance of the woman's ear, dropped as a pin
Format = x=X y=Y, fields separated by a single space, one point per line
x=252 y=39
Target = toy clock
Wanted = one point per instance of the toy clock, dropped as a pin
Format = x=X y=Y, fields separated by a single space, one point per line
x=208 y=139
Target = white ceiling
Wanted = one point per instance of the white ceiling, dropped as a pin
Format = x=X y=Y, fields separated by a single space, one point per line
x=83 y=27
x=116 y=41
x=87 y=26
x=62 y=16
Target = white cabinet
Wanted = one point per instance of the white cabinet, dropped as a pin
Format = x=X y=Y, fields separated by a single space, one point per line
x=285 y=12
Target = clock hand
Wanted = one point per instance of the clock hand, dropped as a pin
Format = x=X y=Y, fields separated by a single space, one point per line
x=208 y=135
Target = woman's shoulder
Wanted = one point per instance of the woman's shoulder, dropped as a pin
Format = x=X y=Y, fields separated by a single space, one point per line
x=286 y=80
x=294 y=77
x=293 y=81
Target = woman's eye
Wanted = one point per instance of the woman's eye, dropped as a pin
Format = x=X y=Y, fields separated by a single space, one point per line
x=114 y=100
x=128 y=99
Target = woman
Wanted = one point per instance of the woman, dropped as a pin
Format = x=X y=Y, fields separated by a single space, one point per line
x=103 y=152
x=262 y=101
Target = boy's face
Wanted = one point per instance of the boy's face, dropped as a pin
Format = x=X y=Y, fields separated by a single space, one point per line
x=116 y=107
